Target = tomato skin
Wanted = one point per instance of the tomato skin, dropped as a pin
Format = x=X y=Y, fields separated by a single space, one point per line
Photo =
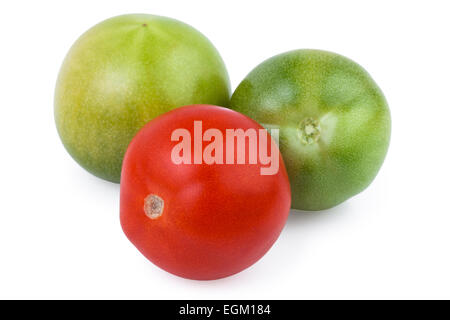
x=217 y=219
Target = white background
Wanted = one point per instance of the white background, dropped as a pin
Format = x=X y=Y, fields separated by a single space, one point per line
x=60 y=235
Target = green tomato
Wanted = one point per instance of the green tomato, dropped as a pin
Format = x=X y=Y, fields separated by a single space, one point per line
x=334 y=122
x=124 y=72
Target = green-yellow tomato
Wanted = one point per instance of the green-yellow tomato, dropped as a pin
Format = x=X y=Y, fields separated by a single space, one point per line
x=124 y=72
x=334 y=122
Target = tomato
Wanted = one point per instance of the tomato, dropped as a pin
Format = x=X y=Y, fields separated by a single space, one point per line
x=122 y=73
x=201 y=220
x=334 y=122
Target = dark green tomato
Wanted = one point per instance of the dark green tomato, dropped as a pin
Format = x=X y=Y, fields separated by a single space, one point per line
x=124 y=72
x=334 y=122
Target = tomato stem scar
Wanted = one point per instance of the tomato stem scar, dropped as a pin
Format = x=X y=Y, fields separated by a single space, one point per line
x=153 y=206
x=309 y=131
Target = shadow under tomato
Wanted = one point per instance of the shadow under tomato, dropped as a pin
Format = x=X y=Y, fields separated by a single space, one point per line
x=300 y=217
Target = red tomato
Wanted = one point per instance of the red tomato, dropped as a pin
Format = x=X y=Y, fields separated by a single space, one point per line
x=201 y=221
